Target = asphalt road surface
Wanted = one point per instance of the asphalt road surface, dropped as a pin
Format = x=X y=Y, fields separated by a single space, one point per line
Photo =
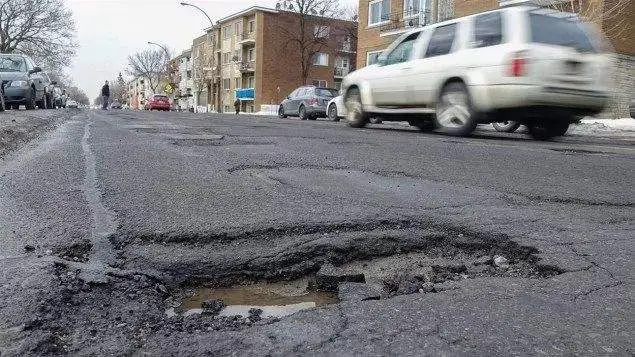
x=114 y=217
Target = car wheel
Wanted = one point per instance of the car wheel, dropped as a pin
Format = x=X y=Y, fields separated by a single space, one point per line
x=281 y=114
x=375 y=120
x=355 y=116
x=454 y=112
x=30 y=103
x=506 y=126
x=333 y=113
x=545 y=130
x=302 y=113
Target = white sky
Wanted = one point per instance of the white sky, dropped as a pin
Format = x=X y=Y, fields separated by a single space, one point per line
x=109 y=30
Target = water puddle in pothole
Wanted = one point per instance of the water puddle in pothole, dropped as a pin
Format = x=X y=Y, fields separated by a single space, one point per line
x=275 y=300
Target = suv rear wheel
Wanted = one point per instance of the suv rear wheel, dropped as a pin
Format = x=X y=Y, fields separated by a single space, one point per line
x=281 y=112
x=454 y=113
x=355 y=115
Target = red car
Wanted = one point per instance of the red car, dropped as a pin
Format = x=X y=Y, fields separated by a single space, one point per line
x=158 y=102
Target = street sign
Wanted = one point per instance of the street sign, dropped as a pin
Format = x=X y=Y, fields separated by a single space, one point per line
x=168 y=89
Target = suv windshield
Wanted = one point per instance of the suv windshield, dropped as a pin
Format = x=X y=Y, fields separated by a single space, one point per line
x=326 y=92
x=552 y=30
x=12 y=64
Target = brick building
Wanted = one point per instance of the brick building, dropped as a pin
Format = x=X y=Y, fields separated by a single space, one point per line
x=254 y=59
x=381 y=21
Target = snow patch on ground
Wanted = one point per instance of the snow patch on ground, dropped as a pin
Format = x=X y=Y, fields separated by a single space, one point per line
x=624 y=124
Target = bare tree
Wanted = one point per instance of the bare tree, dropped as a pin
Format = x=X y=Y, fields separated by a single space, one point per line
x=309 y=33
x=42 y=29
x=149 y=64
x=78 y=95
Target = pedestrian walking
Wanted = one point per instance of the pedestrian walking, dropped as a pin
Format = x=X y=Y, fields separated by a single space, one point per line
x=105 y=96
x=237 y=105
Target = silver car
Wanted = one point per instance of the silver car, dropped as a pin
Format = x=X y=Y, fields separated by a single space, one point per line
x=307 y=102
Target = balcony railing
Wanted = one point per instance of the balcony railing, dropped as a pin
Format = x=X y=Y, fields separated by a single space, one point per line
x=248 y=66
x=341 y=71
x=403 y=20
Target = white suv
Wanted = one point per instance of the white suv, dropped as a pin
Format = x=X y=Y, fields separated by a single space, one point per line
x=533 y=65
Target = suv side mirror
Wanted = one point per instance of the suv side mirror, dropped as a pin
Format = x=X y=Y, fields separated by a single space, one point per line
x=35 y=70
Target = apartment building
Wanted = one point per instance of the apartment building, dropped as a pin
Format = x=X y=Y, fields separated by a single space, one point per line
x=139 y=92
x=202 y=61
x=256 y=62
x=184 y=96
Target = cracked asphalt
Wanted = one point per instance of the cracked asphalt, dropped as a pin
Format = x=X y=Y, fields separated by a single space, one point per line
x=107 y=217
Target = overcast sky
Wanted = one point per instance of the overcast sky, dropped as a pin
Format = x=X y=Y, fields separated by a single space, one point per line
x=109 y=30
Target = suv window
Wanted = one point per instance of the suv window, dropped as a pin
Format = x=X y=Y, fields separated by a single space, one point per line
x=294 y=93
x=402 y=52
x=557 y=31
x=441 y=41
x=488 y=30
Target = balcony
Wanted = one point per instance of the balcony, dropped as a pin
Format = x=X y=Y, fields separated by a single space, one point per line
x=246 y=94
x=339 y=72
x=248 y=66
x=247 y=38
x=404 y=20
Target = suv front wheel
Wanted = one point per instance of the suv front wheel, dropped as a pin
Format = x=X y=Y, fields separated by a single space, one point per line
x=355 y=115
x=454 y=113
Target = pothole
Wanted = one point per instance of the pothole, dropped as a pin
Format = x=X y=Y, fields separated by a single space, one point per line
x=256 y=301
x=568 y=151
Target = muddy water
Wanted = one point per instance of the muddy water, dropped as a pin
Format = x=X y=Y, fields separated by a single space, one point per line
x=275 y=300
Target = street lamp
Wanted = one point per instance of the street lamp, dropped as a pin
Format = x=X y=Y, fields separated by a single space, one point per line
x=199 y=9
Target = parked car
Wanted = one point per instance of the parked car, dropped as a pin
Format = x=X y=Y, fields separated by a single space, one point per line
x=72 y=104
x=116 y=105
x=22 y=82
x=307 y=102
x=535 y=65
x=158 y=102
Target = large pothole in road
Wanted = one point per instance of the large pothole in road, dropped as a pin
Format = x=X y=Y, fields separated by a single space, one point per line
x=353 y=269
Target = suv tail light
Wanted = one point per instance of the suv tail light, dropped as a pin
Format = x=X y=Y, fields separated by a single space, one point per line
x=313 y=101
x=518 y=64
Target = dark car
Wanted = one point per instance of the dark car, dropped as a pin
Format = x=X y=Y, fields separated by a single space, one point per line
x=307 y=102
x=22 y=82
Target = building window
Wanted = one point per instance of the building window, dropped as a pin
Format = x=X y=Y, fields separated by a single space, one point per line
x=227 y=32
x=189 y=74
x=378 y=12
x=237 y=82
x=488 y=30
x=372 y=57
x=252 y=26
x=250 y=109
x=321 y=31
x=320 y=83
x=226 y=57
x=251 y=82
x=251 y=54
x=226 y=84
x=321 y=59
x=237 y=28
x=414 y=7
